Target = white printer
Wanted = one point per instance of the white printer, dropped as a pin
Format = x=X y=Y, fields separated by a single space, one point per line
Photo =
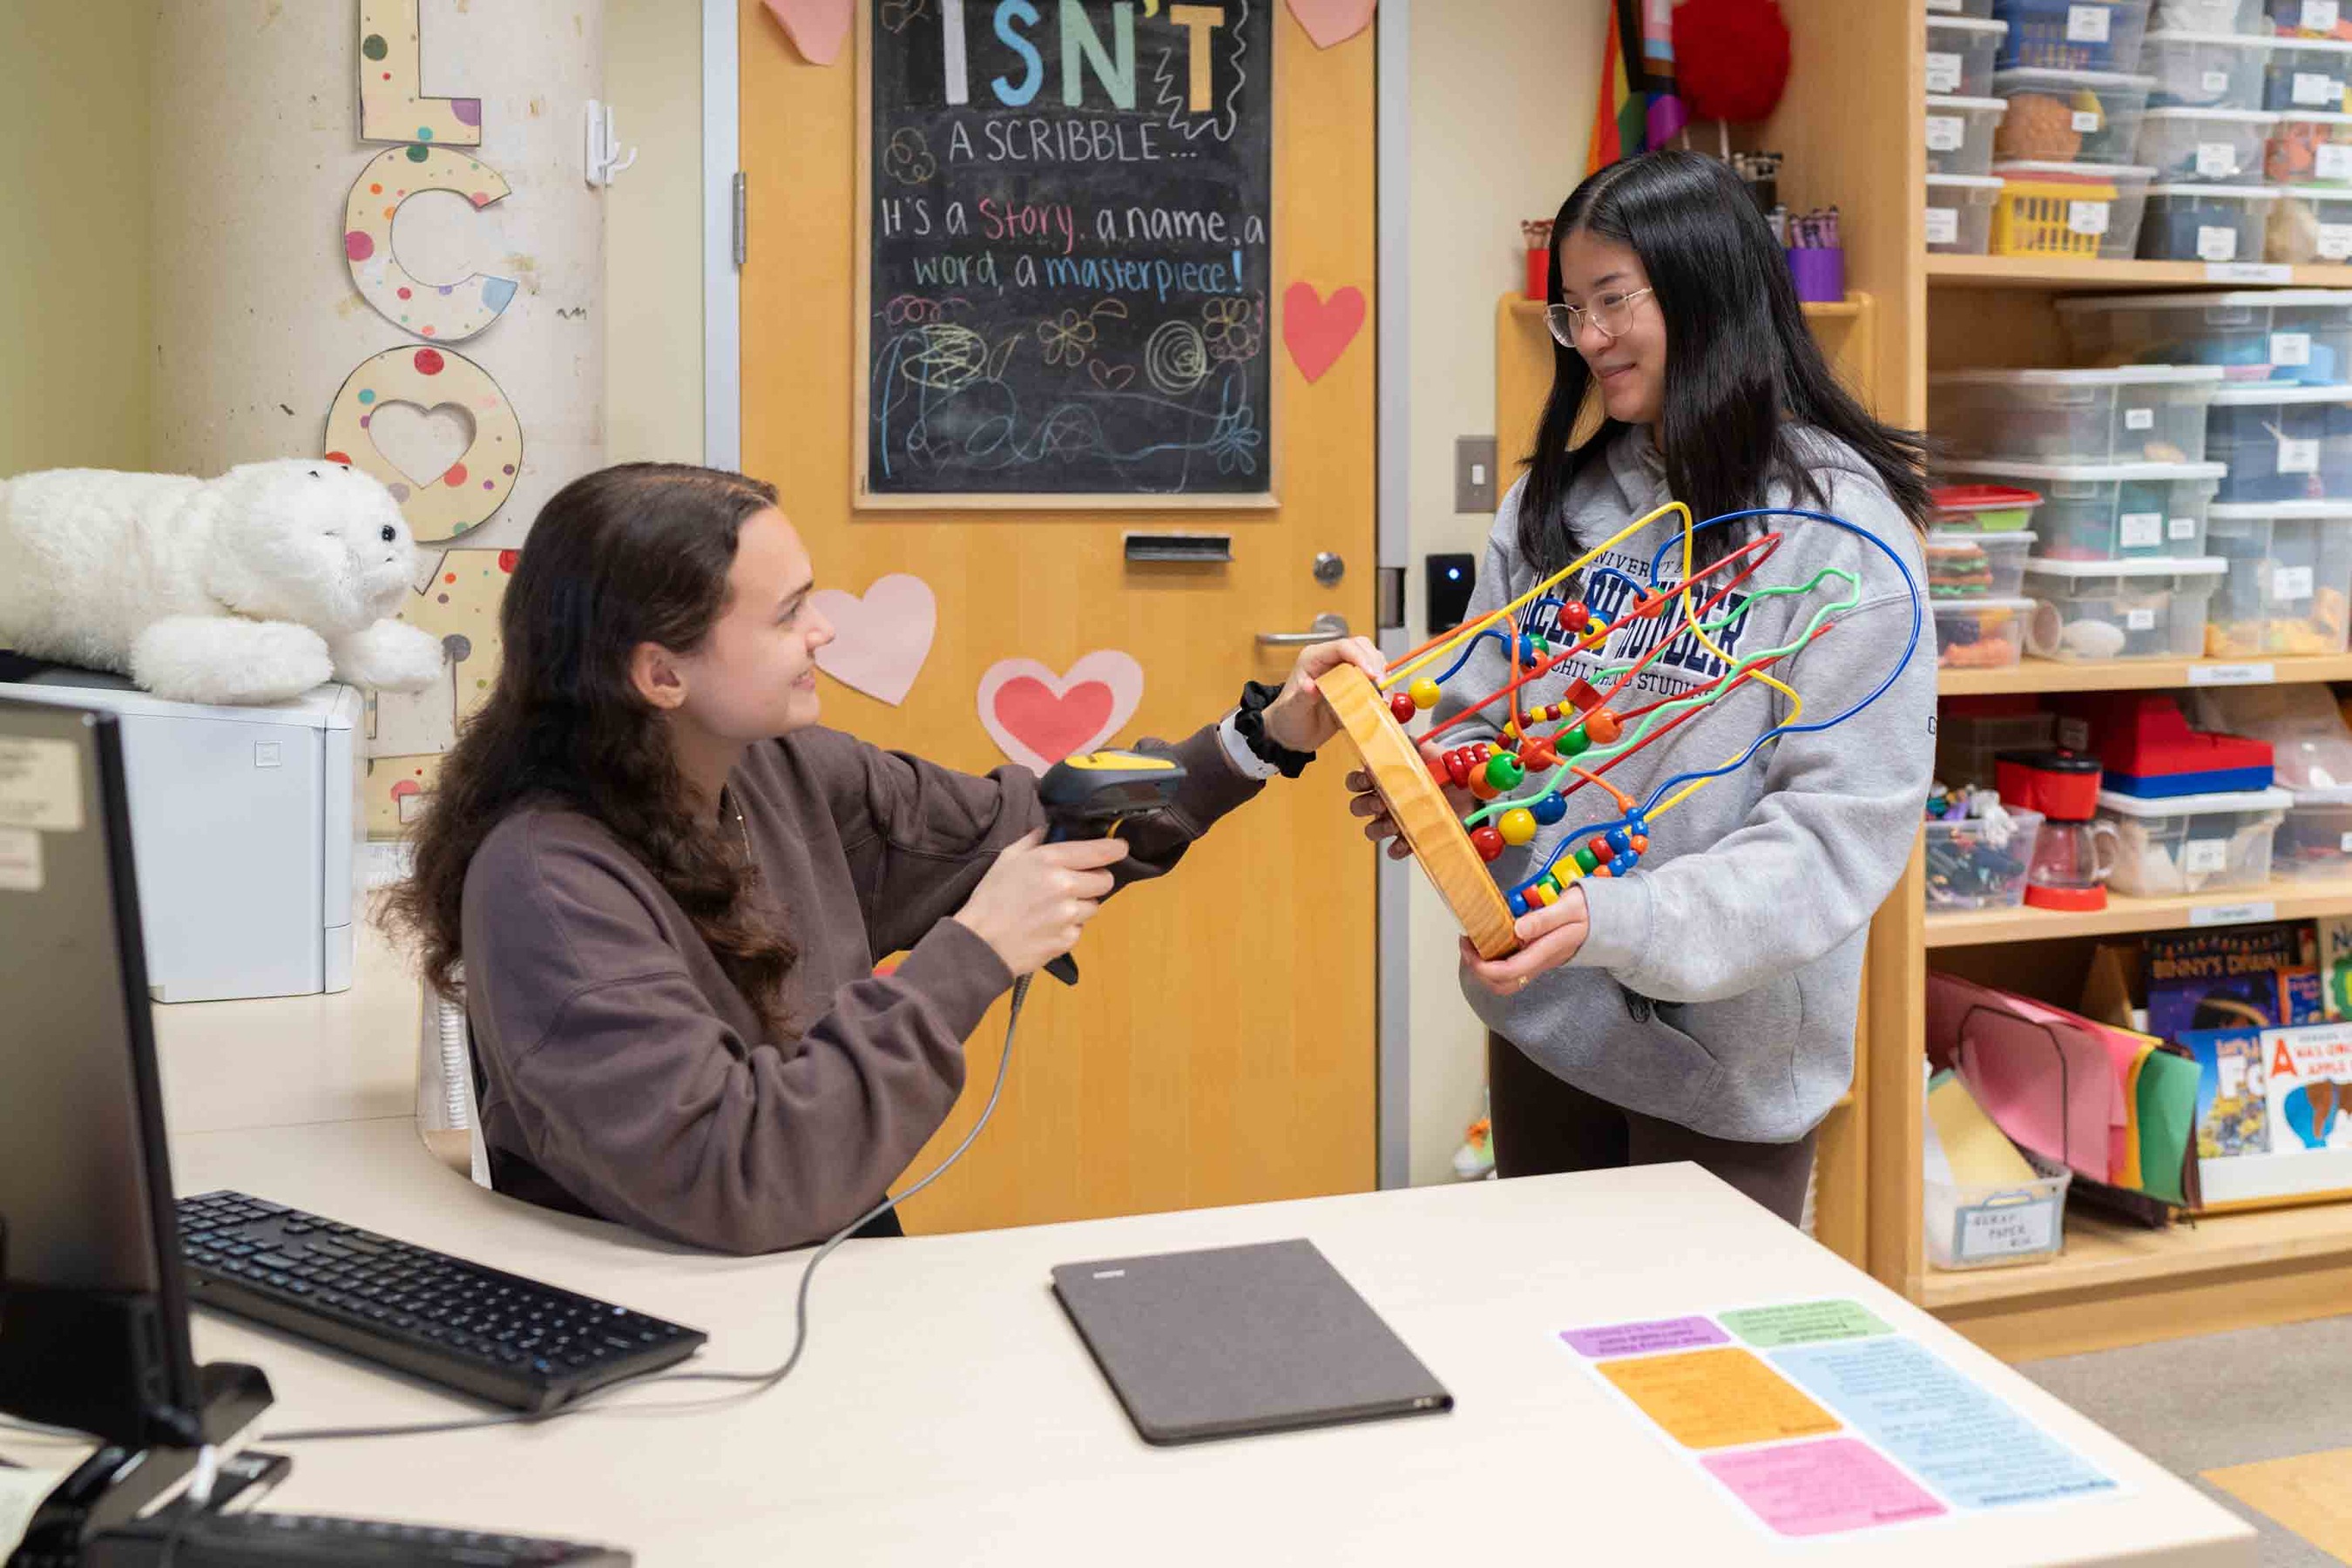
x=247 y=827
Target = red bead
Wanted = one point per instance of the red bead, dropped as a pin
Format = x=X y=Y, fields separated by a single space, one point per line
x=1401 y=706
x=1574 y=617
x=1538 y=753
x=1647 y=608
x=1457 y=766
x=1436 y=766
x=1487 y=840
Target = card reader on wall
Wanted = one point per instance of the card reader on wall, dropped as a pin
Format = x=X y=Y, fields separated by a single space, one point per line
x=1451 y=579
x=245 y=825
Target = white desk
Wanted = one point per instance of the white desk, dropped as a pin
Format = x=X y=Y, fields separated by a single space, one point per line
x=945 y=1412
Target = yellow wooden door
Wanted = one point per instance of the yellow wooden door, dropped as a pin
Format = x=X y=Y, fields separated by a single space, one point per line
x=1220 y=1047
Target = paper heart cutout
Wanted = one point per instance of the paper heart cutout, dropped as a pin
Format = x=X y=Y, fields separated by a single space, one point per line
x=1317 y=330
x=817 y=27
x=421 y=442
x=879 y=641
x=1330 y=22
x=1037 y=717
x=1110 y=379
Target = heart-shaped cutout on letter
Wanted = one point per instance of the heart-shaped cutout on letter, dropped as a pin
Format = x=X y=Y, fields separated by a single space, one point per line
x=421 y=443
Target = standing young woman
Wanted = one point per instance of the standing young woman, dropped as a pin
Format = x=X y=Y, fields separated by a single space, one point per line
x=668 y=888
x=1703 y=1006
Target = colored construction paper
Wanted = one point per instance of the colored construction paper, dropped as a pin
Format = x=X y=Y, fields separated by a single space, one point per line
x=1966 y=1443
x=1819 y=1488
x=1716 y=1398
x=817 y=27
x=2045 y=1080
x=1641 y=1339
x=1317 y=330
x=1330 y=22
x=1803 y=1323
x=2127 y=1159
x=2167 y=1120
x=880 y=639
x=1975 y=1152
x=1037 y=717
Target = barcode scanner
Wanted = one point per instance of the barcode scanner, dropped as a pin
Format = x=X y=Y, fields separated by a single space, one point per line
x=1090 y=795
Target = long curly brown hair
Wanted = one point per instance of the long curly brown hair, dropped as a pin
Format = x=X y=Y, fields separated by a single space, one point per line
x=630 y=554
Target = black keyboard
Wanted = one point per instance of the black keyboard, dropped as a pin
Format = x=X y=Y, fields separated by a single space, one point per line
x=508 y=1339
x=253 y=1540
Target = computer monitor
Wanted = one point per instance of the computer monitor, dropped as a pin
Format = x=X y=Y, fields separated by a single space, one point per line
x=93 y=1309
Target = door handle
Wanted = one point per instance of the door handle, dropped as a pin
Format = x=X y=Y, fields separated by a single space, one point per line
x=1322 y=628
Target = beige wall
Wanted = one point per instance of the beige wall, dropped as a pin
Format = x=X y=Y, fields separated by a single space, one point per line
x=74 y=373
x=1500 y=112
x=653 y=233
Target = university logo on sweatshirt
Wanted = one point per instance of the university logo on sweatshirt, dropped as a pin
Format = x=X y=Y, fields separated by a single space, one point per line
x=1608 y=590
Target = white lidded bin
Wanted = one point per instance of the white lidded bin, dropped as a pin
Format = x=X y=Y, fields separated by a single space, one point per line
x=2170 y=844
x=2204 y=70
x=2309 y=148
x=2128 y=413
x=1967 y=564
x=1980 y=633
x=2316 y=839
x=2069 y=117
x=2290 y=579
x=2300 y=74
x=2282 y=443
x=2205 y=223
x=2072 y=35
x=2254 y=334
x=2204 y=146
x=2120 y=609
x=2110 y=512
x=2242 y=16
x=1960 y=213
x=2082 y=210
x=1960 y=51
x=2309 y=224
x=1960 y=134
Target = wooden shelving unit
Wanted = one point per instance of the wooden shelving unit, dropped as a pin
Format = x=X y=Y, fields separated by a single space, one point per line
x=2274 y=900
x=2040 y=675
x=2036 y=272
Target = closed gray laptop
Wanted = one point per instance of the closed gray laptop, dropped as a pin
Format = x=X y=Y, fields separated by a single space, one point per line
x=1238 y=1340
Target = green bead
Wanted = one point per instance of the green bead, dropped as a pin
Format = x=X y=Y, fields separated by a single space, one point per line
x=1572 y=741
x=1586 y=860
x=1503 y=771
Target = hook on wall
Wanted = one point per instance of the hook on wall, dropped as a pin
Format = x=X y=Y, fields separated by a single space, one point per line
x=603 y=145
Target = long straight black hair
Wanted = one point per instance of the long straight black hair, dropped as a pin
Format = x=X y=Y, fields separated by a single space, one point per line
x=1742 y=368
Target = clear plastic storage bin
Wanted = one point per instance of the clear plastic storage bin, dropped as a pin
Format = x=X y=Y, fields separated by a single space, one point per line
x=2316 y=839
x=2300 y=75
x=2193 y=843
x=1967 y=742
x=2072 y=35
x=1960 y=213
x=2204 y=146
x=1983 y=509
x=2290 y=579
x=2205 y=223
x=1984 y=7
x=2254 y=334
x=1977 y=865
x=1960 y=51
x=2308 y=224
x=1987 y=1226
x=2305 y=18
x=2282 y=443
x=2309 y=148
x=2110 y=512
x=2069 y=117
x=2204 y=70
x=2080 y=210
x=2132 y=413
x=1980 y=633
x=1976 y=565
x=2120 y=609
x=1960 y=134
x=2190 y=16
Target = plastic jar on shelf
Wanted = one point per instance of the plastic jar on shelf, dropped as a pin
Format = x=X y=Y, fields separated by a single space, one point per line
x=2306 y=74
x=2152 y=609
x=2072 y=35
x=2128 y=413
x=2282 y=442
x=1960 y=213
x=1960 y=134
x=2170 y=845
x=2079 y=210
x=1980 y=633
x=2289 y=586
x=2205 y=223
x=2110 y=512
x=2254 y=334
x=2069 y=117
x=1960 y=51
x=2204 y=70
x=2309 y=224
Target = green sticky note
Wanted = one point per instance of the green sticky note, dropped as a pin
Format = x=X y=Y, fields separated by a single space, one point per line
x=1802 y=1323
x=2167 y=1120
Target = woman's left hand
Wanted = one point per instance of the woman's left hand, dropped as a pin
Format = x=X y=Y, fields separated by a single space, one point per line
x=1299 y=720
x=1549 y=937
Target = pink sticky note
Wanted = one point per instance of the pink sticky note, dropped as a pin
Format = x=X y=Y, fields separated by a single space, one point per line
x=1640 y=1339
x=1819 y=1488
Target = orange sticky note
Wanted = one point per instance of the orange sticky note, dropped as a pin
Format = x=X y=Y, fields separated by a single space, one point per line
x=1713 y=1399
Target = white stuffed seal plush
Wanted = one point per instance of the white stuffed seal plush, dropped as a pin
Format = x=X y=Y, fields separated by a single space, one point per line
x=252 y=587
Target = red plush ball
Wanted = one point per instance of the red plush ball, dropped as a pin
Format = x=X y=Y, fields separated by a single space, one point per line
x=1731 y=58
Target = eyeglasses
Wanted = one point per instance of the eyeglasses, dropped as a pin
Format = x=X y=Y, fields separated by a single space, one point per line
x=1612 y=313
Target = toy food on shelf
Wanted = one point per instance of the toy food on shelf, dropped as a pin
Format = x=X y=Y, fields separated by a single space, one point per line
x=1985 y=509
x=2069 y=117
x=2289 y=580
x=2309 y=148
x=1968 y=565
x=1980 y=633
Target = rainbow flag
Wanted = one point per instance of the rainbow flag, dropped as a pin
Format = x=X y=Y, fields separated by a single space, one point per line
x=1618 y=118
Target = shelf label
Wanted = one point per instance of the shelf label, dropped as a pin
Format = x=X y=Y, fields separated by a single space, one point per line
x=2232 y=674
x=1943 y=7
x=2290 y=348
x=2139 y=418
x=2088 y=24
x=2233 y=914
x=1943 y=226
x=2334 y=239
x=2088 y=218
x=1942 y=72
x=2184 y=528
x=2087 y=121
x=1945 y=132
x=2248 y=272
x=1996 y=1230
x=2316 y=90
x=2291 y=582
x=2215 y=82
x=2139 y=620
x=2298 y=455
x=2140 y=529
x=2203 y=856
x=2332 y=161
x=2216 y=160
x=2319 y=16
x=2216 y=244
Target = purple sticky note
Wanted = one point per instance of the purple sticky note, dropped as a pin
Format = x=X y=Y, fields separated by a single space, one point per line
x=1639 y=1339
x=1818 y=1488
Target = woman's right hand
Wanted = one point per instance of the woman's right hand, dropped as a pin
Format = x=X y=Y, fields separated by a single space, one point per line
x=1038 y=897
x=1378 y=823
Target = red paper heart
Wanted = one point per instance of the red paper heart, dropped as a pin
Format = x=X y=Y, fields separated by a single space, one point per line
x=1038 y=715
x=1317 y=330
x=1330 y=22
x=1053 y=724
x=817 y=27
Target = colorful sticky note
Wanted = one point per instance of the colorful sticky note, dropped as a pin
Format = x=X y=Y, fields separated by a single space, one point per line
x=1819 y=1488
x=1716 y=1398
x=1804 y=1322
x=1642 y=1339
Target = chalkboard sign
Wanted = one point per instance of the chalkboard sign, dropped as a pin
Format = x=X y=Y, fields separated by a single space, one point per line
x=1066 y=256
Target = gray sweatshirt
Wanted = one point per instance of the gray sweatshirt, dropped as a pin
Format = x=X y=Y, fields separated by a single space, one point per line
x=1719 y=987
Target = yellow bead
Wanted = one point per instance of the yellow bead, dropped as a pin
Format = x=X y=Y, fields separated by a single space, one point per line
x=1542 y=896
x=1424 y=693
x=1518 y=825
x=1566 y=870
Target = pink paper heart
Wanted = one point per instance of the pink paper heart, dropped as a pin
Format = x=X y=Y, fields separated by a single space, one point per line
x=1330 y=22
x=817 y=27
x=1317 y=330
x=881 y=640
x=1037 y=717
